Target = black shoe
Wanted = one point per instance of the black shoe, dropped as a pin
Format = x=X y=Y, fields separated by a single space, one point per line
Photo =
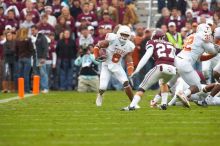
x=128 y=108
x=163 y=107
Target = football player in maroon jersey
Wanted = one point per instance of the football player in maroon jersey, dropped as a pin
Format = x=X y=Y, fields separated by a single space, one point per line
x=163 y=54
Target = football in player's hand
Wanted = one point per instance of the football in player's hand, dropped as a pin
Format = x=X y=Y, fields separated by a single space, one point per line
x=102 y=55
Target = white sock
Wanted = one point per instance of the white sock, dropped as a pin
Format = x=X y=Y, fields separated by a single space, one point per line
x=187 y=92
x=135 y=101
x=157 y=98
x=164 y=98
x=172 y=101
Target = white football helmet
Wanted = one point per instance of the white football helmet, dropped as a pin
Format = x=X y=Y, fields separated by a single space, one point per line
x=205 y=32
x=123 y=33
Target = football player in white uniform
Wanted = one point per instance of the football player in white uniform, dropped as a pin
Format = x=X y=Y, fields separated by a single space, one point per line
x=216 y=70
x=117 y=46
x=200 y=43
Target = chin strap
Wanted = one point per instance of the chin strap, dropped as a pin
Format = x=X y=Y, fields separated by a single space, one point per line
x=130 y=68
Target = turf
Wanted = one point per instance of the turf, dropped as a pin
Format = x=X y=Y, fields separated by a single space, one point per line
x=72 y=119
x=7 y=95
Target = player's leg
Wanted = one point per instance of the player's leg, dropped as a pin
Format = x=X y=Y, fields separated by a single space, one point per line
x=150 y=78
x=190 y=76
x=122 y=77
x=206 y=70
x=104 y=80
x=164 y=94
x=216 y=75
x=193 y=80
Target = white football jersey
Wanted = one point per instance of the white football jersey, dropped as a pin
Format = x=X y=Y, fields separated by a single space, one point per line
x=116 y=51
x=198 y=47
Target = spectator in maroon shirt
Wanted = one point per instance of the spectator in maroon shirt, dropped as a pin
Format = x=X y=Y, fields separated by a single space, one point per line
x=60 y=27
x=165 y=17
x=86 y=18
x=205 y=11
x=29 y=8
x=19 y=4
x=101 y=34
x=11 y=19
x=44 y=27
x=106 y=20
x=195 y=8
x=40 y=8
x=2 y=20
x=69 y=19
x=51 y=19
x=113 y=13
x=121 y=11
x=189 y=16
x=176 y=18
x=75 y=10
x=56 y=8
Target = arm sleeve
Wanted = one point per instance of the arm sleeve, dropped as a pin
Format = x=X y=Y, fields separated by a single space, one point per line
x=78 y=61
x=145 y=58
x=93 y=59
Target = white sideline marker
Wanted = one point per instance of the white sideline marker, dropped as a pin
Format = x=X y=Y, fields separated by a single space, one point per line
x=14 y=98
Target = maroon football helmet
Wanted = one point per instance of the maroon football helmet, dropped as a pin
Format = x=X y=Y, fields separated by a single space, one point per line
x=158 y=34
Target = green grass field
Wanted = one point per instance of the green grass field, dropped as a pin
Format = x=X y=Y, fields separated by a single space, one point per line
x=72 y=119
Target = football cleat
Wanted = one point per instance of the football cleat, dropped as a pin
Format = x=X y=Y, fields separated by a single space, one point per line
x=99 y=100
x=183 y=99
x=201 y=103
x=128 y=108
x=163 y=107
x=153 y=104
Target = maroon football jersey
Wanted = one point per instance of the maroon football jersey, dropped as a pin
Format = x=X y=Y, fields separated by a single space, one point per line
x=164 y=52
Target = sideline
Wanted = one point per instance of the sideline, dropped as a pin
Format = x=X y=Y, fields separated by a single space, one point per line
x=15 y=98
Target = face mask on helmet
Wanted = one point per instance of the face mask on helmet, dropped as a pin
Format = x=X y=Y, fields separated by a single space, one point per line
x=123 y=34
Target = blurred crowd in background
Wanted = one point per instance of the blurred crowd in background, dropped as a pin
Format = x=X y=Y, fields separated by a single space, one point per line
x=55 y=38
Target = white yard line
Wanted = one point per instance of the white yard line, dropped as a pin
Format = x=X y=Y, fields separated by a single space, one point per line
x=14 y=98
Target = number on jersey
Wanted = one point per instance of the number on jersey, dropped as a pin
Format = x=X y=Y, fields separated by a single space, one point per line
x=161 y=50
x=116 y=57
